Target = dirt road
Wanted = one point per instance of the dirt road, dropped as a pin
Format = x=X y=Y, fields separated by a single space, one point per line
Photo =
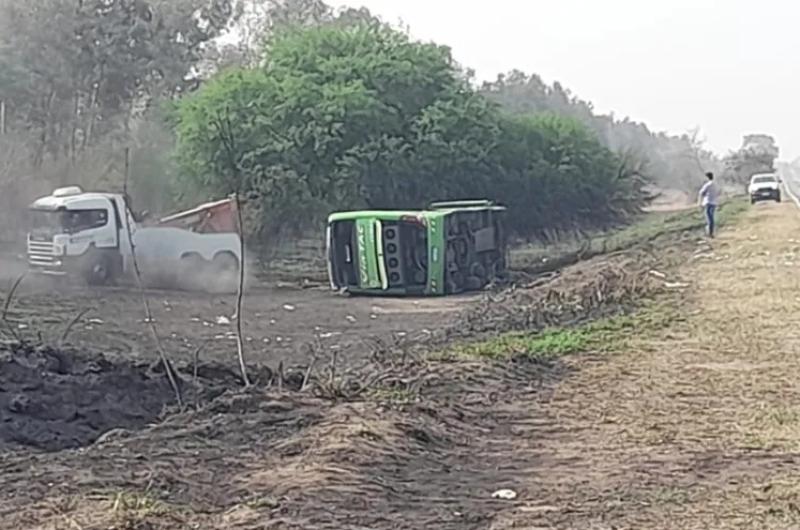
x=280 y=323
x=683 y=414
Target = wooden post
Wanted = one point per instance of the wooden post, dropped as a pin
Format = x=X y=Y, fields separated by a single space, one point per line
x=2 y=116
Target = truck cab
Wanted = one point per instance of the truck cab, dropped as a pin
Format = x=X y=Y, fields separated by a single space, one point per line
x=92 y=235
x=450 y=247
x=69 y=228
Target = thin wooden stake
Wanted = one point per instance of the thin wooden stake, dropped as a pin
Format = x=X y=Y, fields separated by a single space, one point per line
x=145 y=302
x=240 y=293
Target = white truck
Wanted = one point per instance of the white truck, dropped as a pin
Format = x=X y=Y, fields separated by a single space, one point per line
x=87 y=234
x=764 y=187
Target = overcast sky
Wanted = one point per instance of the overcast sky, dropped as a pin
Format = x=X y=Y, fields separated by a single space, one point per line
x=730 y=67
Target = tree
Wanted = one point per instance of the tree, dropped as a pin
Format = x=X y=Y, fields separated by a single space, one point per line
x=259 y=19
x=75 y=72
x=348 y=116
x=326 y=100
x=757 y=155
x=668 y=161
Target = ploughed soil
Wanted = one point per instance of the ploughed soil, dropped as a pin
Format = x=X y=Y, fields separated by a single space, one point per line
x=686 y=417
x=52 y=399
x=279 y=322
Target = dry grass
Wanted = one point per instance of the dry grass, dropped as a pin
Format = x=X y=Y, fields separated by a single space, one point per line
x=690 y=422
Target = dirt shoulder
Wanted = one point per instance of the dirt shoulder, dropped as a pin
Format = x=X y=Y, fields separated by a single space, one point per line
x=681 y=412
x=694 y=425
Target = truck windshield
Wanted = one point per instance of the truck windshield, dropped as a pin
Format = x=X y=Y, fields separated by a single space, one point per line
x=66 y=221
x=45 y=220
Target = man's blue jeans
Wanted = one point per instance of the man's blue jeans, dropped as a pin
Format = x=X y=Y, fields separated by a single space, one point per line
x=710 y=209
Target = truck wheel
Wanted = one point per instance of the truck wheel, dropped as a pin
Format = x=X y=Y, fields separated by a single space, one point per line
x=226 y=268
x=226 y=263
x=99 y=269
x=191 y=272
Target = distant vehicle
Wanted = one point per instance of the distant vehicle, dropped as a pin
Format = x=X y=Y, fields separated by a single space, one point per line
x=449 y=248
x=86 y=234
x=764 y=187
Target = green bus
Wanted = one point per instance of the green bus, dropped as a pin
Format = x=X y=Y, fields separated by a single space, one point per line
x=449 y=248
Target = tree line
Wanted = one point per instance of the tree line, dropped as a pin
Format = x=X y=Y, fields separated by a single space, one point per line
x=361 y=116
x=303 y=109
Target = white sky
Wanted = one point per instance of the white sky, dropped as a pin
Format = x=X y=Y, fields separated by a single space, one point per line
x=731 y=67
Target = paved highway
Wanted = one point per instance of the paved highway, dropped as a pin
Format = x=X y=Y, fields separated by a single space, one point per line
x=791 y=183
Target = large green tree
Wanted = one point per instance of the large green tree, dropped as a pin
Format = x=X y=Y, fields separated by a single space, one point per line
x=344 y=116
x=334 y=105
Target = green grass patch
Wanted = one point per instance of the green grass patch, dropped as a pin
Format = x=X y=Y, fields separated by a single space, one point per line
x=732 y=210
x=543 y=346
x=397 y=396
x=602 y=336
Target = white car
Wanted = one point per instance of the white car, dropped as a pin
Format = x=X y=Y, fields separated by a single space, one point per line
x=764 y=187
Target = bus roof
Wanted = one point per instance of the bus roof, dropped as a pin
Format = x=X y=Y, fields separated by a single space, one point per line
x=441 y=210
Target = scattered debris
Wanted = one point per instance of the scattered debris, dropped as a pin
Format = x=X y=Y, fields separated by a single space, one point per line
x=658 y=274
x=289 y=307
x=702 y=256
x=505 y=494
x=676 y=285
x=351 y=319
x=223 y=321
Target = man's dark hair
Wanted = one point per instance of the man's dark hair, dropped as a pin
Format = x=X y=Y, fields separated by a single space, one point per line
x=710 y=176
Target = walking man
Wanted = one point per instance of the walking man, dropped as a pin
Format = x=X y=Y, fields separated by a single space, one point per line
x=709 y=200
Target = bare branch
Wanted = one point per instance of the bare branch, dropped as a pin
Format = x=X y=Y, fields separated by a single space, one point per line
x=7 y=305
x=240 y=294
x=145 y=302
x=72 y=323
x=225 y=131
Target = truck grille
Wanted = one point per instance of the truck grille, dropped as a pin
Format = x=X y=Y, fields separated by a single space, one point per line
x=41 y=255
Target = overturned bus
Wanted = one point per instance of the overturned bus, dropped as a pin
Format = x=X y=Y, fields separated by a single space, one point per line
x=449 y=248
